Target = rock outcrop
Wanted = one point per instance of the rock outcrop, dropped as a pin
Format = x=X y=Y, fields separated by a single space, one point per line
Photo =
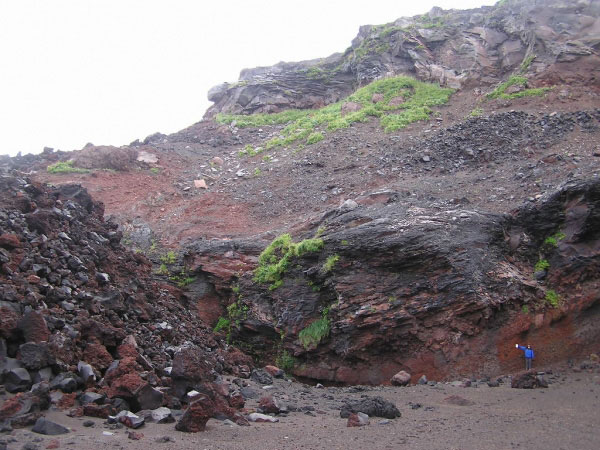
x=441 y=293
x=550 y=41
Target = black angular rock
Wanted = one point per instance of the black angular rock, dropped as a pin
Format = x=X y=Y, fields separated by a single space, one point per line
x=149 y=397
x=35 y=356
x=261 y=376
x=47 y=427
x=17 y=380
x=91 y=397
x=372 y=406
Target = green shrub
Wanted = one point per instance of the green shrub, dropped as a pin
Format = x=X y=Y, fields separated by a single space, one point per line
x=526 y=63
x=155 y=170
x=237 y=312
x=169 y=258
x=285 y=361
x=552 y=298
x=553 y=240
x=330 y=263
x=525 y=309
x=274 y=260
x=222 y=324
x=65 y=167
x=541 y=265
x=163 y=270
x=313 y=334
x=182 y=279
x=476 y=112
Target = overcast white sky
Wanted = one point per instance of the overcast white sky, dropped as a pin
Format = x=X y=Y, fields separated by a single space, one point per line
x=112 y=71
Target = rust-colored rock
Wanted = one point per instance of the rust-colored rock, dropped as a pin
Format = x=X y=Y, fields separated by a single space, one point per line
x=9 y=241
x=67 y=401
x=127 y=350
x=134 y=435
x=402 y=378
x=54 y=443
x=269 y=405
x=350 y=107
x=34 y=327
x=236 y=400
x=8 y=322
x=274 y=371
x=357 y=420
x=195 y=417
x=97 y=355
x=125 y=386
x=100 y=411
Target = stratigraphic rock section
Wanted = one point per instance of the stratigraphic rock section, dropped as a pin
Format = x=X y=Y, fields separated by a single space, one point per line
x=440 y=293
x=549 y=40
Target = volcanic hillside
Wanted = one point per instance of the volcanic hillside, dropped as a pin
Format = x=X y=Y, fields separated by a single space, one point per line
x=421 y=202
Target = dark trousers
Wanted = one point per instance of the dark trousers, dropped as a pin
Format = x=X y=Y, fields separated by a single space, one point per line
x=527 y=363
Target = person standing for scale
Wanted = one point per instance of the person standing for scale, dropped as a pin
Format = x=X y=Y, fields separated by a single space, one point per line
x=529 y=355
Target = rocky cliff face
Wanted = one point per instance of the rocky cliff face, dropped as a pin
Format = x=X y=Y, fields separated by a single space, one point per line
x=550 y=41
x=442 y=293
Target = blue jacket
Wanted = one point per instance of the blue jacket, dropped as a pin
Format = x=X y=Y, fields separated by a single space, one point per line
x=528 y=352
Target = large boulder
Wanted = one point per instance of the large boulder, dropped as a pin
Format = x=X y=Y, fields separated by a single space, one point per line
x=528 y=380
x=35 y=356
x=195 y=417
x=34 y=328
x=49 y=428
x=17 y=380
x=372 y=406
x=402 y=378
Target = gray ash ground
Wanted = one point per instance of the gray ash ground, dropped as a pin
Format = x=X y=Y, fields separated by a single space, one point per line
x=564 y=416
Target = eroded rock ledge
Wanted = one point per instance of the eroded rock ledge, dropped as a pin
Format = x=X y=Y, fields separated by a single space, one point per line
x=541 y=39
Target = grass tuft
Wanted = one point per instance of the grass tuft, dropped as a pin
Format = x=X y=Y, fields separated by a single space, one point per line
x=552 y=298
x=500 y=91
x=330 y=263
x=313 y=334
x=65 y=167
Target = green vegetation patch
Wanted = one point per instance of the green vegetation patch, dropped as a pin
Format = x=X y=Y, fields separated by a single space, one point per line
x=274 y=260
x=477 y=112
x=552 y=298
x=222 y=324
x=552 y=241
x=315 y=137
x=169 y=258
x=541 y=265
x=330 y=263
x=285 y=361
x=500 y=91
x=526 y=63
x=313 y=334
x=418 y=98
x=65 y=167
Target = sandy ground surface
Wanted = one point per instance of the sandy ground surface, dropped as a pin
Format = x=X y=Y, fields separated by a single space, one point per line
x=564 y=416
